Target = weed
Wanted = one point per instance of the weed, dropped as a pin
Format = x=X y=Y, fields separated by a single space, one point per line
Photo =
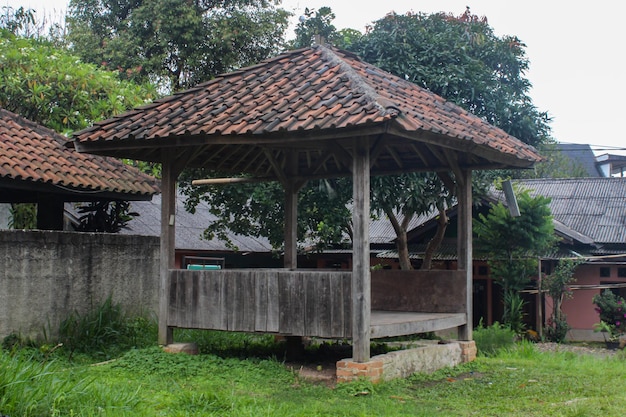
x=105 y=331
x=489 y=340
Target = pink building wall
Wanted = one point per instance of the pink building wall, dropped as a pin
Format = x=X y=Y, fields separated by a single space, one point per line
x=580 y=312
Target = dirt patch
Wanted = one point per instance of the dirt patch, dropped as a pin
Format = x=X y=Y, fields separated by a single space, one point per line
x=596 y=349
x=324 y=374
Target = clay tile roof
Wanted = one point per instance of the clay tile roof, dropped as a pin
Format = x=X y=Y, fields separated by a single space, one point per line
x=303 y=97
x=34 y=156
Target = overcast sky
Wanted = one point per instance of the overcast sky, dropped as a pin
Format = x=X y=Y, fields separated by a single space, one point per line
x=576 y=53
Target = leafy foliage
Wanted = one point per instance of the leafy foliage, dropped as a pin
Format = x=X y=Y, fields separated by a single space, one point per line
x=401 y=197
x=612 y=311
x=54 y=88
x=104 y=216
x=512 y=245
x=23 y=216
x=258 y=210
x=491 y=339
x=175 y=43
x=315 y=23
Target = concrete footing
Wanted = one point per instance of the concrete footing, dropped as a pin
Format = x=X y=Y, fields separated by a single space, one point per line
x=188 y=348
x=427 y=357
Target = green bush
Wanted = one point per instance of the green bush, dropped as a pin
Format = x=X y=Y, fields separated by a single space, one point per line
x=489 y=340
x=106 y=331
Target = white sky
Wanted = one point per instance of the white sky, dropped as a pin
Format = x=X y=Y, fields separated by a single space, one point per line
x=576 y=54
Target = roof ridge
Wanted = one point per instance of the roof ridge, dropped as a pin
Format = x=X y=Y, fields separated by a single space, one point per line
x=360 y=84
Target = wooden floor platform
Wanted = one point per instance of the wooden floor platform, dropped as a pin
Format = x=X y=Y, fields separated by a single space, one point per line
x=400 y=323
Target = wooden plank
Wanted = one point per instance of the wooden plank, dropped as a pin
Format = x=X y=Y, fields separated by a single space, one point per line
x=291 y=292
x=312 y=301
x=261 y=306
x=434 y=291
x=361 y=290
x=240 y=301
x=273 y=307
x=388 y=323
x=322 y=294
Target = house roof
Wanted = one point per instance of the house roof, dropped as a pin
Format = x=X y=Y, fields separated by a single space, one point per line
x=583 y=155
x=314 y=102
x=593 y=207
x=36 y=159
x=189 y=227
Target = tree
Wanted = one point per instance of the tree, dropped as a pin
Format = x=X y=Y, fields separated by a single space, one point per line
x=175 y=43
x=556 y=285
x=513 y=245
x=401 y=197
x=462 y=60
x=258 y=210
x=50 y=86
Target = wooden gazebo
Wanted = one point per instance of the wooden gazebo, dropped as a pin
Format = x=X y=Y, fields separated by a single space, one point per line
x=307 y=114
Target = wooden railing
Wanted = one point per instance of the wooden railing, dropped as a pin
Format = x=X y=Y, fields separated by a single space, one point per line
x=300 y=303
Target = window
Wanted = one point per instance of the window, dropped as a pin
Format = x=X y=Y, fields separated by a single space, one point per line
x=605 y=271
x=621 y=272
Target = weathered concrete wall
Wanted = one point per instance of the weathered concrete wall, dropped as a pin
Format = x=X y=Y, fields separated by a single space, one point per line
x=46 y=275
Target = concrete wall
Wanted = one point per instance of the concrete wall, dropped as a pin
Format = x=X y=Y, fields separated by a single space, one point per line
x=46 y=275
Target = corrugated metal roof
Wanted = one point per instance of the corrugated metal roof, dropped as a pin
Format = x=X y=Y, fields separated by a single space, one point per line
x=594 y=207
x=189 y=227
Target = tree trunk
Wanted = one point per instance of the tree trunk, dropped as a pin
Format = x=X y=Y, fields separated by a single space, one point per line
x=402 y=243
x=435 y=242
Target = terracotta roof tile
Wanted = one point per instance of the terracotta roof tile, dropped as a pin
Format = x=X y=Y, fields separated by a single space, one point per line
x=33 y=153
x=306 y=95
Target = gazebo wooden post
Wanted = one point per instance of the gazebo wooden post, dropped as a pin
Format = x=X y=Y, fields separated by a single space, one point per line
x=464 y=245
x=361 y=278
x=291 y=214
x=168 y=242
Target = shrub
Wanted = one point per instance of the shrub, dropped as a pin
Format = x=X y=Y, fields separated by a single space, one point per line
x=489 y=340
x=105 y=331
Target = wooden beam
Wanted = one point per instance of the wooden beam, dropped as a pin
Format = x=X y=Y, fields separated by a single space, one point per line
x=291 y=212
x=170 y=170
x=361 y=279
x=464 y=244
x=234 y=180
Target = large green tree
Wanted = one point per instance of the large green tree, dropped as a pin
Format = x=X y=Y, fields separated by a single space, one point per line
x=462 y=60
x=54 y=88
x=176 y=43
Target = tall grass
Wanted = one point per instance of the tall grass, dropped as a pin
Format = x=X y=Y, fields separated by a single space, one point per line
x=29 y=387
x=106 y=331
x=490 y=340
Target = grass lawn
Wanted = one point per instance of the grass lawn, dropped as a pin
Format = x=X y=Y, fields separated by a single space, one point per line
x=519 y=381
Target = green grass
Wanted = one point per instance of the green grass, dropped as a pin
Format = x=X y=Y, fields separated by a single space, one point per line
x=518 y=381
x=108 y=365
